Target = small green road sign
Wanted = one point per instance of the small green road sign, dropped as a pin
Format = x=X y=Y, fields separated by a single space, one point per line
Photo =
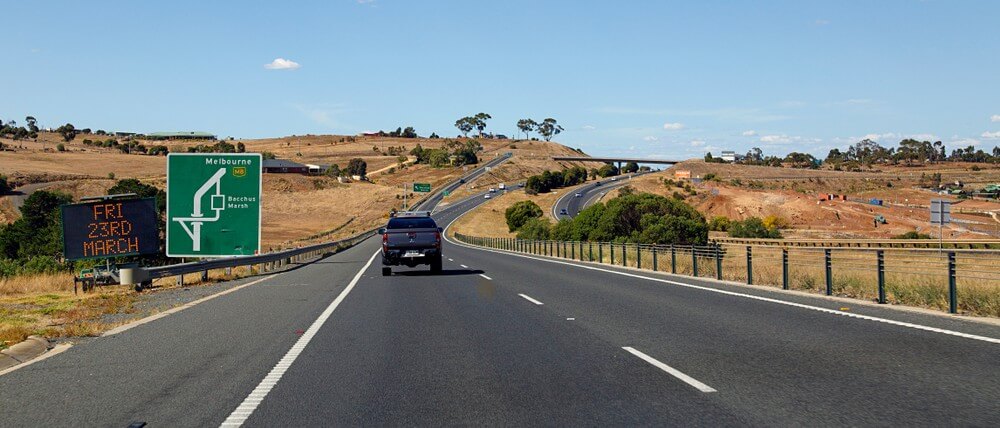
x=446 y=193
x=213 y=204
x=422 y=187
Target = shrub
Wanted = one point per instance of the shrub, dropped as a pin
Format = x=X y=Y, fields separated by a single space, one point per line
x=519 y=214
x=913 y=234
x=535 y=228
x=719 y=223
x=752 y=227
x=41 y=264
x=4 y=185
x=775 y=222
x=61 y=147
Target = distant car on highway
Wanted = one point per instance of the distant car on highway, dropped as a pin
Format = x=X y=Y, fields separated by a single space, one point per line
x=493 y=190
x=578 y=195
x=487 y=196
x=563 y=212
x=614 y=178
x=411 y=238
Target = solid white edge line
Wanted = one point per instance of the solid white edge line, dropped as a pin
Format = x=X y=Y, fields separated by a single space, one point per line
x=250 y=403
x=673 y=372
x=736 y=294
x=484 y=276
x=528 y=298
x=170 y=311
x=56 y=350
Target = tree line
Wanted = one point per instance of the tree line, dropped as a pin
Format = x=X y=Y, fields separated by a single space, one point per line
x=642 y=218
x=867 y=153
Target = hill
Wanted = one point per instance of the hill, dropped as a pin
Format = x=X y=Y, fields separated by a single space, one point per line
x=297 y=208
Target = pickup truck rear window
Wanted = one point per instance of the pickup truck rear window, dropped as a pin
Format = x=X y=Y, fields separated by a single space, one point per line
x=411 y=223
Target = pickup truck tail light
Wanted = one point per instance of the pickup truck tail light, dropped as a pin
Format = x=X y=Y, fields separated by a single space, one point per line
x=385 y=241
x=437 y=239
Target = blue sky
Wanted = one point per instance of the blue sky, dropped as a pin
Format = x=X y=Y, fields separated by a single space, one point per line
x=656 y=78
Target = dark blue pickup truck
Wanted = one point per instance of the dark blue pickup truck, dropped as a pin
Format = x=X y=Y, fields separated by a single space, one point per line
x=411 y=238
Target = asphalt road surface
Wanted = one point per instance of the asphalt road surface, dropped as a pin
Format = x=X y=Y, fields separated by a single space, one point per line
x=500 y=339
x=590 y=194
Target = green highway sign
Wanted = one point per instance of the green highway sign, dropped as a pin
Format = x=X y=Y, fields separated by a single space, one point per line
x=213 y=204
x=446 y=193
x=422 y=187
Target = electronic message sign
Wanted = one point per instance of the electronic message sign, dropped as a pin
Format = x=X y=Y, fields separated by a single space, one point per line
x=213 y=204
x=110 y=228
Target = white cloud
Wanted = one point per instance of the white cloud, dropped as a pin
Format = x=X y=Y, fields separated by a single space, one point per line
x=650 y=138
x=589 y=127
x=697 y=143
x=749 y=133
x=366 y=1
x=995 y=118
x=282 y=64
x=991 y=135
x=673 y=126
x=775 y=139
x=325 y=115
x=964 y=142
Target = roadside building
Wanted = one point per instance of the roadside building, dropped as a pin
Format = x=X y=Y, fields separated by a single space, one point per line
x=730 y=156
x=186 y=135
x=282 y=166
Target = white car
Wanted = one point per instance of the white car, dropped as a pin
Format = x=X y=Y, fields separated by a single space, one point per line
x=487 y=196
x=492 y=190
x=614 y=178
x=578 y=195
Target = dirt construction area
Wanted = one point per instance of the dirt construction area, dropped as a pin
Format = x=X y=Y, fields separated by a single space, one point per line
x=738 y=192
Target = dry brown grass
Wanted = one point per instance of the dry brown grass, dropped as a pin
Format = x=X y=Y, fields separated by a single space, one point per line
x=488 y=219
x=46 y=305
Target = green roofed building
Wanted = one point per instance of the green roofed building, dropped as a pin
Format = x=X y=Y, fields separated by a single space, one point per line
x=189 y=135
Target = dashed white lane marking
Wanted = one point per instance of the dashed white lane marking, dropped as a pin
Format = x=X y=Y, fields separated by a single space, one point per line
x=249 y=404
x=155 y=317
x=673 y=372
x=484 y=276
x=570 y=319
x=450 y=259
x=528 y=298
x=464 y=266
x=747 y=296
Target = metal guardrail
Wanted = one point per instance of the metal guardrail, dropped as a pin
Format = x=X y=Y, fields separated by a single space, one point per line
x=865 y=243
x=141 y=277
x=912 y=276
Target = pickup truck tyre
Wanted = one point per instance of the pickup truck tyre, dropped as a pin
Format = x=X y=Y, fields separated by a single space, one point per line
x=386 y=271
x=436 y=264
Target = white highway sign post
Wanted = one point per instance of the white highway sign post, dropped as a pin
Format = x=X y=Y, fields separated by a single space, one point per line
x=213 y=204
x=940 y=215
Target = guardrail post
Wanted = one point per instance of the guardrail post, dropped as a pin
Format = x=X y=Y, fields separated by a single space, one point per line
x=673 y=259
x=638 y=256
x=749 y=265
x=572 y=255
x=229 y=271
x=180 y=280
x=784 y=268
x=694 y=261
x=881 y=276
x=654 y=258
x=952 y=286
x=600 y=253
x=204 y=276
x=718 y=263
x=828 y=260
x=590 y=251
x=612 y=246
x=581 y=251
x=624 y=252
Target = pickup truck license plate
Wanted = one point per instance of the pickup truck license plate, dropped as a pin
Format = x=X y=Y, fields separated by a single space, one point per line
x=412 y=253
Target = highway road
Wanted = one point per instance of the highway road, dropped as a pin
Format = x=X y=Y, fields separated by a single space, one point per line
x=501 y=339
x=589 y=195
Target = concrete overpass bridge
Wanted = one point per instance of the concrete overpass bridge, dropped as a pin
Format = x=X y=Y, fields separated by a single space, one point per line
x=618 y=161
